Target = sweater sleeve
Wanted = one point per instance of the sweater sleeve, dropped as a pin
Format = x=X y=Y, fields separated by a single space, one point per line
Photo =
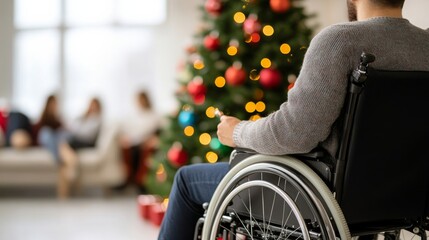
x=313 y=104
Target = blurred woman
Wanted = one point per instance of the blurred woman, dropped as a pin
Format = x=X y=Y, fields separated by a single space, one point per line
x=51 y=135
x=85 y=129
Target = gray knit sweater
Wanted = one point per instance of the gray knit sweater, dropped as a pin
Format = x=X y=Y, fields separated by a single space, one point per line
x=307 y=119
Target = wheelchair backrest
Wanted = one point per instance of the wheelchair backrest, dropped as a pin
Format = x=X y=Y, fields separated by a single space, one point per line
x=385 y=170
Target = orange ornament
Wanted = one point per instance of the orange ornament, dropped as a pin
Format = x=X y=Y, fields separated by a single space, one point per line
x=280 y=6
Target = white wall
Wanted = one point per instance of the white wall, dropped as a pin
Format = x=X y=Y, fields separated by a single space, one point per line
x=6 y=47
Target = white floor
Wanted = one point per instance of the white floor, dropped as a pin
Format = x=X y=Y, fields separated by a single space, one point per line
x=80 y=218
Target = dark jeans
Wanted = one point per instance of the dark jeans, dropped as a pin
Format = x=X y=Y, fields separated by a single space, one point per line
x=193 y=185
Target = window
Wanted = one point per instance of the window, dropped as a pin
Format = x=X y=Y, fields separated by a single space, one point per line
x=83 y=48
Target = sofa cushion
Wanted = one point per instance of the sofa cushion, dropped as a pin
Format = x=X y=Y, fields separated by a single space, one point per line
x=33 y=157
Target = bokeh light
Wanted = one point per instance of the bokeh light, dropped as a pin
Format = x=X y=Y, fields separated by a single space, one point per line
x=259 y=94
x=198 y=64
x=266 y=63
x=212 y=157
x=232 y=50
x=255 y=117
x=268 y=30
x=285 y=48
x=239 y=17
x=254 y=75
x=260 y=106
x=210 y=112
x=220 y=82
x=250 y=107
x=189 y=131
x=205 y=139
x=255 y=37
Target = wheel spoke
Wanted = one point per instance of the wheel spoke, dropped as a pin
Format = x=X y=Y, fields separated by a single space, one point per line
x=242 y=223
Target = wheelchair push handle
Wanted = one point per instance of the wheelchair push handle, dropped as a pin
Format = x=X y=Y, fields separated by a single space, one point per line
x=359 y=75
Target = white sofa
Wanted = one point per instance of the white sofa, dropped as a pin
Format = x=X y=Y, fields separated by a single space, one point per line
x=99 y=166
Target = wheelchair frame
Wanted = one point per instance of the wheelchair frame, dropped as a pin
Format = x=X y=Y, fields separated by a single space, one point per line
x=321 y=195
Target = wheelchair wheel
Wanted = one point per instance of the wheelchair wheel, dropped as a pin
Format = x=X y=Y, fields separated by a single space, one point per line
x=267 y=197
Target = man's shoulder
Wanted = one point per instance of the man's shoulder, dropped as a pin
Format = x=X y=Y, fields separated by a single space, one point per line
x=338 y=29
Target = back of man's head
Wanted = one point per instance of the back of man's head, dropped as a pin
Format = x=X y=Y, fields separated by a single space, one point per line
x=389 y=3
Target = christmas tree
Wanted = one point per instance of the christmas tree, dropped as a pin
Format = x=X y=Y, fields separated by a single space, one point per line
x=243 y=62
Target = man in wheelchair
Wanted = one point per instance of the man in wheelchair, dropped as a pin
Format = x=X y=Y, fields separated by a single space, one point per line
x=315 y=117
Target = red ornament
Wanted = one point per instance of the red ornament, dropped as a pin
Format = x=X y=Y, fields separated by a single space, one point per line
x=280 y=6
x=235 y=76
x=214 y=7
x=270 y=78
x=196 y=87
x=252 y=25
x=177 y=156
x=199 y=99
x=212 y=43
x=291 y=85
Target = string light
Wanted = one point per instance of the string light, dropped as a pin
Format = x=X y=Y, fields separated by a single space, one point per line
x=254 y=75
x=232 y=50
x=220 y=82
x=266 y=63
x=268 y=30
x=255 y=117
x=239 y=17
x=212 y=157
x=250 y=107
x=260 y=106
x=210 y=112
x=285 y=48
x=198 y=64
x=189 y=131
x=205 y=139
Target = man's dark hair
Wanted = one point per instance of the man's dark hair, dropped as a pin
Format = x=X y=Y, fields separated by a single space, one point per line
x=389 y=3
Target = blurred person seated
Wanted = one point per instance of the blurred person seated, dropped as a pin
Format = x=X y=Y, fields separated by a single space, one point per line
x=63 y=141
x=52 y=135
x=19 y=130
x=136 y=134
x=85 y=129
x=16 y=129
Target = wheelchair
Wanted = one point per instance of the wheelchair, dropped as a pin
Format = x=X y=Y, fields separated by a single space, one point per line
x=377 y=186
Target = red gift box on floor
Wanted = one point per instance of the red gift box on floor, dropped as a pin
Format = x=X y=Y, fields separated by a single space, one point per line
x=145 y=203
x=157 y=214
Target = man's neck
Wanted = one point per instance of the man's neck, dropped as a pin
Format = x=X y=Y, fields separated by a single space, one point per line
x=371 y=12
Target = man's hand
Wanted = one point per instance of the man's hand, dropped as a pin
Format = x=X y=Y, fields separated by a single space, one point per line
x=225 y=130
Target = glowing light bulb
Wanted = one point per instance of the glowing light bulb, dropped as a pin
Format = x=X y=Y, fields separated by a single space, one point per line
x=260 y=106
x=255 y=117
x=266 y=63
x=232 y=50
x=205 y=139
x=198 y=64
x=189 y=131
x=239 y=17
x=268 y=30
x=210 y=112
x=212 y=157
x=285 y=48
x=220 y=82
x=250 y=107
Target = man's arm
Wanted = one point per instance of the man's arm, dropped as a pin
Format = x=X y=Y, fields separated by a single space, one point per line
x=313 y=104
